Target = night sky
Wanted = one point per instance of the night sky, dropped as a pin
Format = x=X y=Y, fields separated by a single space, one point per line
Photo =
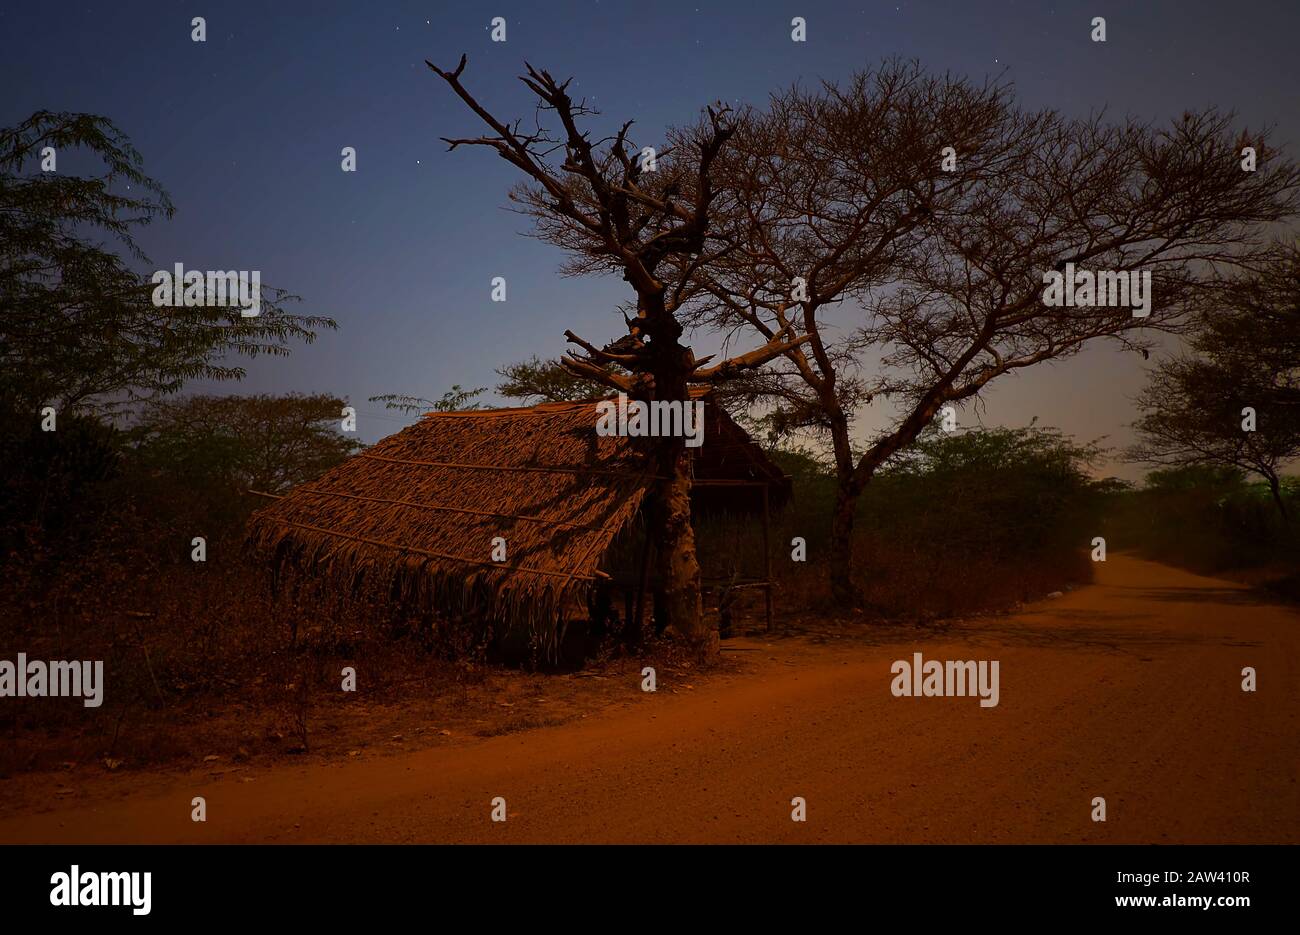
x=245 y=133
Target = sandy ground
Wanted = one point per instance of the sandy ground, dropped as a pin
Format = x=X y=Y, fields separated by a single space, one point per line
x=1128 y=689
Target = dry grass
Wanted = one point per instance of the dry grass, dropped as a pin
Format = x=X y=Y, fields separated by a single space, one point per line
x=202 y=661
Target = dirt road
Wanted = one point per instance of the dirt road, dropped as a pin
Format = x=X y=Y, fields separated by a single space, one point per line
x=1129 y=689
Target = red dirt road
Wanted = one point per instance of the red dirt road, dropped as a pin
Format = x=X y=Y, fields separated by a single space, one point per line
x=1128 y=689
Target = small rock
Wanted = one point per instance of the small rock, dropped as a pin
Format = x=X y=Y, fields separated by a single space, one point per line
x=1055 y=594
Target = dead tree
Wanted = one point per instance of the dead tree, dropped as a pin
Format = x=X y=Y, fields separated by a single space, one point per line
x=647 y=216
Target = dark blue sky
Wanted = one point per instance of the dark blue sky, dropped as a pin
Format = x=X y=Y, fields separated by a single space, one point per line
x=245 y=131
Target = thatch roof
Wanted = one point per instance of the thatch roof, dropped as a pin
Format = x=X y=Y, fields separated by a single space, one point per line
x=417 y=512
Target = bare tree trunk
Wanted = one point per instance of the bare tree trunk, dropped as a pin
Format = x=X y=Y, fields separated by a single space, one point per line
x=1275 y=487
x=673 y=532
x=852 y=479
x=844 y=591
x=679 y=568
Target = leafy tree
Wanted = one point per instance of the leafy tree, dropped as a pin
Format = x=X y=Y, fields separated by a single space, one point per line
x=458 y=400
x=1051 y=453
x=263 y=442
x=839 y=196
x=53 y=488
x=455 y=399
x=1213 y=477
x=535 y=380
x=1234 y=401
x=1008 y=493
x=78 y=327
x=191 y=462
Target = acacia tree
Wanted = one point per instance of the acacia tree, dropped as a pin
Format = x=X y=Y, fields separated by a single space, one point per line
x=1235 y=400
x=613 y=210
x=263 y=442
x=78 y=327
x=456 y=399
x=829 y=190
x=537 y=380
x=842 y=196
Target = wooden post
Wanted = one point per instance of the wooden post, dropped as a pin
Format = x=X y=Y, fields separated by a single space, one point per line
x=637 y=623
x=767 y=557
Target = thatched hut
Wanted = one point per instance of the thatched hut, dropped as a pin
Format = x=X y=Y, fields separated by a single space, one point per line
x=418 y=512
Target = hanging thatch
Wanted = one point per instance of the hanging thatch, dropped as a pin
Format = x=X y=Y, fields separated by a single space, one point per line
x=416 y=514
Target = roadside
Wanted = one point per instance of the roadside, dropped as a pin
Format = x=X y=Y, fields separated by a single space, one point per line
x=1129 y=689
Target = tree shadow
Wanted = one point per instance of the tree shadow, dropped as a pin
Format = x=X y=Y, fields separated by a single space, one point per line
x=1194 y=595
x=1112 y=632
x=1119 y=640
x=1141 y=635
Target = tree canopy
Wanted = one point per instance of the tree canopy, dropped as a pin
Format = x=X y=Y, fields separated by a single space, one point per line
x=1233 y=399
x=78 y=327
